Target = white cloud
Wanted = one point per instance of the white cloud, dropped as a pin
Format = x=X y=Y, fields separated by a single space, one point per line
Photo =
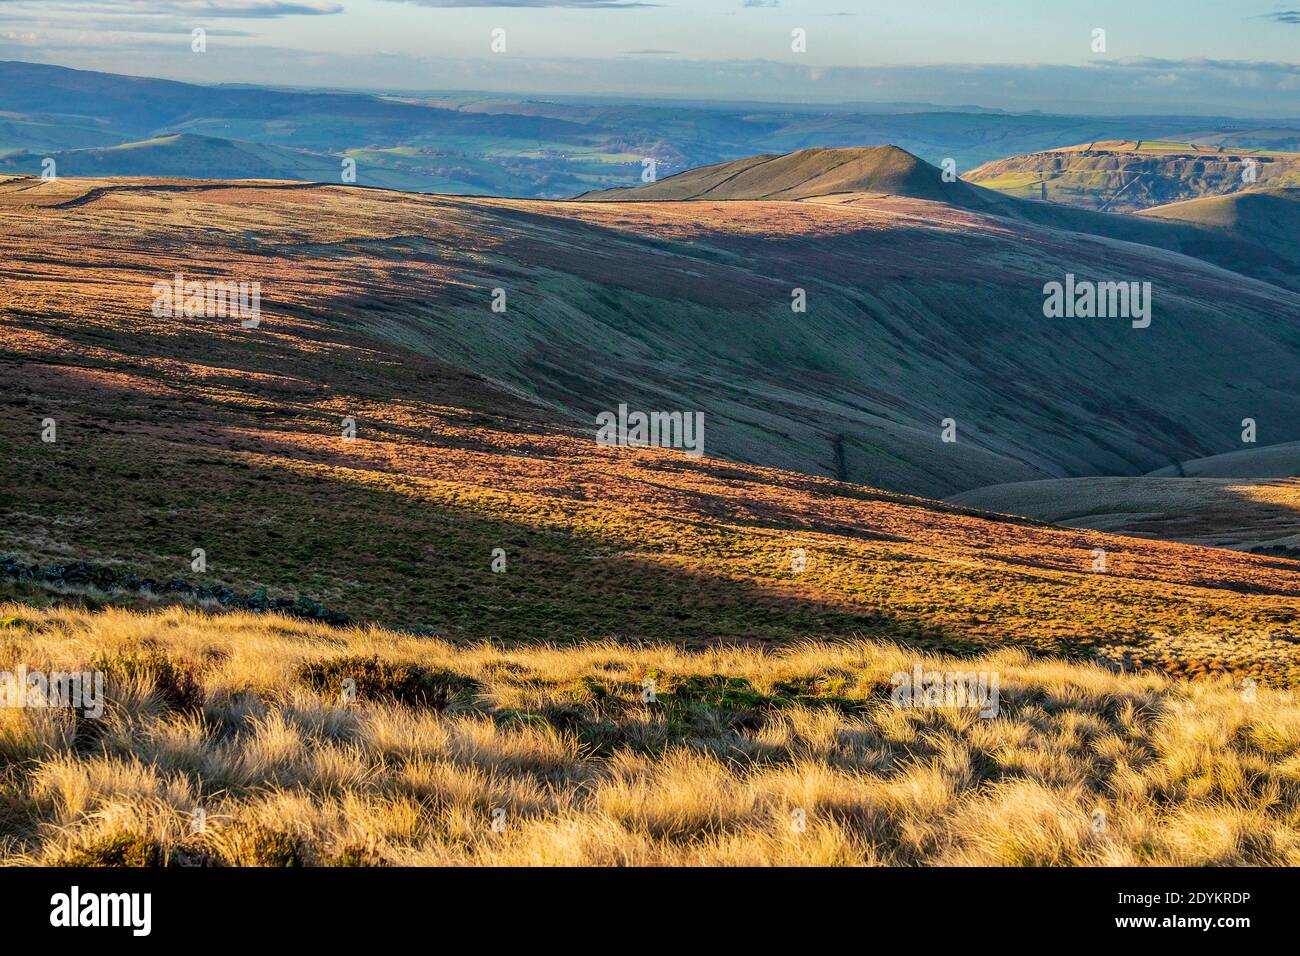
x=191 y=9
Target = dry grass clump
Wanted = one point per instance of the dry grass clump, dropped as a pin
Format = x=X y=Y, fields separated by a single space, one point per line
x=229 y=740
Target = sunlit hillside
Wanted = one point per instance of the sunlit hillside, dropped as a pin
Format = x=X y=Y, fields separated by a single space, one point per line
x=1259 y=516
x=449 y=445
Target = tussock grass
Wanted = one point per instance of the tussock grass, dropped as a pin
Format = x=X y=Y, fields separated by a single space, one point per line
x=550 y=756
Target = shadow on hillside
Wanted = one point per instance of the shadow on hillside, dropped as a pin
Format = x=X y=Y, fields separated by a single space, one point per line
x=373 y=548
x=143 y=479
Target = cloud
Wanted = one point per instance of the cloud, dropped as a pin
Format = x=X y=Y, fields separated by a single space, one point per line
x=192 y=9
x=1282 y=16
x=579 y=4
x=260 y=9
x=1199 y=64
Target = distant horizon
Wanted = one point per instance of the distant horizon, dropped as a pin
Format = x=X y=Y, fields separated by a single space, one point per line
x=895 y=106
x=1117 y=58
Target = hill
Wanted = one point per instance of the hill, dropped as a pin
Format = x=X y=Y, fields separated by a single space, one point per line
x=809 y=173
x=863 y=174
x=483 y=144
x=1237 y=137
x=1268 y=219
x=548 y=650
x=1248 y=500
x=182 y=154
x=912 y=309
x=1126 y=176
x=186 y=155
x=176 y=433
x=1262 y=461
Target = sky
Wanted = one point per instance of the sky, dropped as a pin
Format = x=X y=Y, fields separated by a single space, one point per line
x=1229 y=57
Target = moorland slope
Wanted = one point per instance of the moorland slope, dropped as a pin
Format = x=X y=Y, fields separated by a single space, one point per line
x=349 y=450
x=914 y=313
x=176 y=433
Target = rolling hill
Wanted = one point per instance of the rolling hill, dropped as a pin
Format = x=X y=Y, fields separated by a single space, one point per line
x=1236 y=137
x=416 y=474
x=484 y=144
x=1266 y=218
x=1126 y=176
x=1248 y=500
x=193 y=156
x=807 y=174
x=177 y=433
x=917 y=312
x=1262 y=461
x=180 y=155
x=1250 y=245
x=197 y=157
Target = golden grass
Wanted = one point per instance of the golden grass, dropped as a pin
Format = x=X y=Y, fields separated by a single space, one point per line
x=1082 y=766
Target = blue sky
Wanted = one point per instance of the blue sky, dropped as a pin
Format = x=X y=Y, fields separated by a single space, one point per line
x=1192 y=56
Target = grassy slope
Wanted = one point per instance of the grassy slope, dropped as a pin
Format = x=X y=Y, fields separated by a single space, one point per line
x=242 y=717
x=808 y=173
x=199 y=157
x=176 y=434
x=1268 y=218
x=1247 y=499
x=193 y=432
x=1259 y=242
